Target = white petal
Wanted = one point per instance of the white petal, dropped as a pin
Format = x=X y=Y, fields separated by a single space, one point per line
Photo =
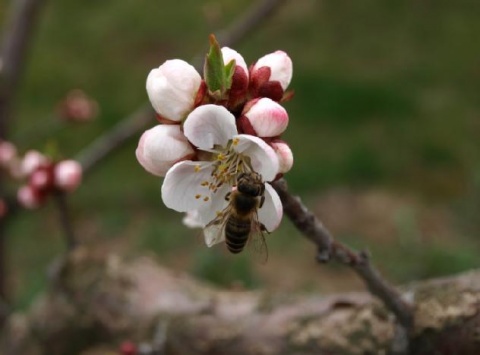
x=272 y=210
x=172 y=88
x=214 y=234
x=262 y=157
x=182 y=190
x=218 y=203
x=210 y=125
x=192 y=220
x=162 y=146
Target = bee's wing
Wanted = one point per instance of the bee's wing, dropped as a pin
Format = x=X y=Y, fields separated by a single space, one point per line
x=256 y=241
x=214 y=232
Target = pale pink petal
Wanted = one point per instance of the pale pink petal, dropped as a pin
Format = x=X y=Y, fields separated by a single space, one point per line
x=210 y=125
x=172 y=89
x=284 y=154
x=161 y=147
x=68 y=175
x=280 y=65
x=272 y=210
x=184 y=189
x=268 y=118
x=230 y=54
x=262 y=157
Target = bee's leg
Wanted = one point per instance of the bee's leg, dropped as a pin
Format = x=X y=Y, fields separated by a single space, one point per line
x=227 y=196
x=262 y=200
x=263 y=228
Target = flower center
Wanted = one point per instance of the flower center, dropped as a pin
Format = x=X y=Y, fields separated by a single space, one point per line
x=227 y=165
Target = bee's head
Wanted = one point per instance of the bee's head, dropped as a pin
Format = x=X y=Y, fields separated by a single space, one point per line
x=250 y=184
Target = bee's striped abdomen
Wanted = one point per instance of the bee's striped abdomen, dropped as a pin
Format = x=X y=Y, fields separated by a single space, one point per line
x=236 y=233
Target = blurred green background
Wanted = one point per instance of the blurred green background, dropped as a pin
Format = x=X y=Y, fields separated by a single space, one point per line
x=384 y=125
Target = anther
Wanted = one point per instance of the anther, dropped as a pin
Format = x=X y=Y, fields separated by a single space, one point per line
x=197 y=168
x=198 y=196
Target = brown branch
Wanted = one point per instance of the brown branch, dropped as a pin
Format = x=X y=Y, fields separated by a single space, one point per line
x=133 y=124
x=106 y=144
x=253 y=18
x=65 y=220
x=19 y=28
x=17 y=33
x=313 y=229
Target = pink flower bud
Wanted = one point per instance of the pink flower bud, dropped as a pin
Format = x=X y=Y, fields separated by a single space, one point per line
x=67 y=175
x=32 y=160
x=41 y=178
x=161 y=147
x=280 y=66
x=284 y=154
x=172 y=89
x=239 y=87
x=28 y=197
x=77 y=107
x=230 y=54
x=268 y=118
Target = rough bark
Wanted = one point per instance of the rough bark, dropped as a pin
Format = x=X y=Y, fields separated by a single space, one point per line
x=96 y=301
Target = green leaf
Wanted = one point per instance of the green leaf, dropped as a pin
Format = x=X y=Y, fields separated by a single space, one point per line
x=229 y=71
x=214 y=69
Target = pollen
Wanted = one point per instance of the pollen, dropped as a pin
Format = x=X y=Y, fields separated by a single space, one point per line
x=221 y=156
x=197 y=196
x=197 y=168
x=204 y=183
x=206 y=198
x=219 y=213
x=235 y=141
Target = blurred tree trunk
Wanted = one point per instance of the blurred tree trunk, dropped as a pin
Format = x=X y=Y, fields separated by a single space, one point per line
x=97 y=301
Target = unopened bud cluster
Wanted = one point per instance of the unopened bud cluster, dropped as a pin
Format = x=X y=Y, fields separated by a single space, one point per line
x=176 y=89
x=40 y=176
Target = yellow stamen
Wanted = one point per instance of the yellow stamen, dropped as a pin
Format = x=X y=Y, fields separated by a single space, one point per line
x=197 y=168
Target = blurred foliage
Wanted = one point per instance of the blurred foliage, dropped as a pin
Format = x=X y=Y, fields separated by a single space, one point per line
x=386 y=95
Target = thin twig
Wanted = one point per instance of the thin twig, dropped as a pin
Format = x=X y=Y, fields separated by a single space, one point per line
x=65 y=219
x=253 y=18
x=101 y=147
x=314 y=230
x=134 y=123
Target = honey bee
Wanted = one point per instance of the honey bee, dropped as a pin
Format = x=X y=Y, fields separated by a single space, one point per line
x=238 y=223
